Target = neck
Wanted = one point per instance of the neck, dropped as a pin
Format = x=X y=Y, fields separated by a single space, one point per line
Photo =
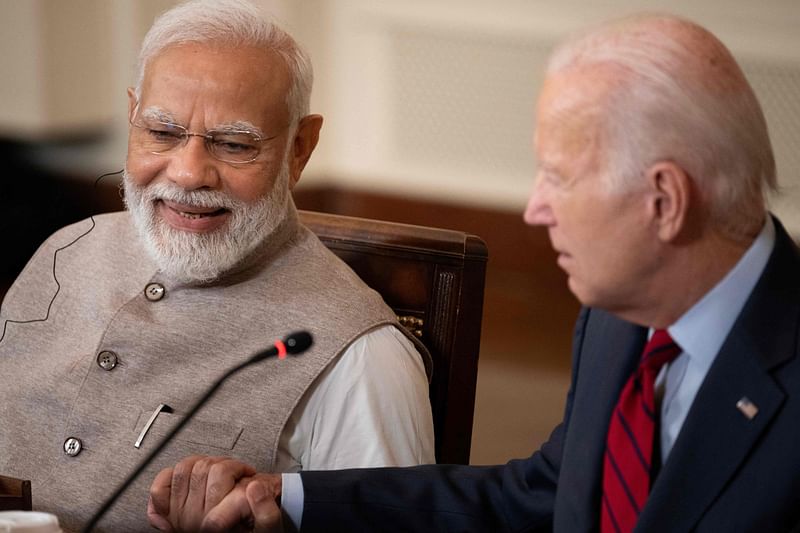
x=690 y=270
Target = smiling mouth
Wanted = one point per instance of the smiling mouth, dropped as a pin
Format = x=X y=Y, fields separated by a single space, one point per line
x=193 y=212
x=196 y=216
x=192 y=218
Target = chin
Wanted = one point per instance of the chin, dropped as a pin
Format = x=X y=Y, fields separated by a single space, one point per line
x=583 y=293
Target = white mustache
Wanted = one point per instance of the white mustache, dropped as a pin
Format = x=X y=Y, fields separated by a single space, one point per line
x=208 y=199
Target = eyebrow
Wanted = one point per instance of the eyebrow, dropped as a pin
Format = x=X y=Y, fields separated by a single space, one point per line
x=156 y=113
x=161 y=115
x=240 y=126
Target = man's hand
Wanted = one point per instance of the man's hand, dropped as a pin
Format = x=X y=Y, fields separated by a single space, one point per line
x=262 y=496
x=214 y=494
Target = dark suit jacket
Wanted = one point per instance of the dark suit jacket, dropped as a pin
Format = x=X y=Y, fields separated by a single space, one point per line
x=725 y=472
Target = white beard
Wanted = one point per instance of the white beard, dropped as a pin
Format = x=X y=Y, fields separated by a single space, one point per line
x=202 y=257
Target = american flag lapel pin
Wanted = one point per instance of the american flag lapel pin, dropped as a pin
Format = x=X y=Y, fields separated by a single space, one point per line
x=748 y=408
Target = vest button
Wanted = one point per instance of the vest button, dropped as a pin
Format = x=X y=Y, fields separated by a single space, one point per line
x=107 y=360
x=154 y=291
x=73 y=446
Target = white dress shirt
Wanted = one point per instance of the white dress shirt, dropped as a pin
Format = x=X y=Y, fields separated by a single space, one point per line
x=370 y=408
x=700 y=333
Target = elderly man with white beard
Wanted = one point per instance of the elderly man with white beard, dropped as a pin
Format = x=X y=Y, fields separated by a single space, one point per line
x=126 y=318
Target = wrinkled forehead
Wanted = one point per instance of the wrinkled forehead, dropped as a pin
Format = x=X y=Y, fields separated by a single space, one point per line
x=225 y=83
x=237 y=61
x=571 y=109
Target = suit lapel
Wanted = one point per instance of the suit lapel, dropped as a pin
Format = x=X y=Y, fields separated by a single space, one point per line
x=715 y=440
x=605 y=355
x=716 y=437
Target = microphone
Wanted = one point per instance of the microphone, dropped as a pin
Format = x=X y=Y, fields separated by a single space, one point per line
x=294 y=343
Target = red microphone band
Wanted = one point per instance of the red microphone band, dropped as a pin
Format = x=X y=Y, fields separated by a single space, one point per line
x=281 y=349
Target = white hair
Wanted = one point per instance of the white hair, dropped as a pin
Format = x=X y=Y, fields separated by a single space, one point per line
x=235 y=23
x=680 y=97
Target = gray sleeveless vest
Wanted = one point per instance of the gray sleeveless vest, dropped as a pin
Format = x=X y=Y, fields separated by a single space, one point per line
x=120 y=339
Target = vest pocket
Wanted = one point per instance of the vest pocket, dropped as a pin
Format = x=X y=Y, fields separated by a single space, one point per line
x=221 y=435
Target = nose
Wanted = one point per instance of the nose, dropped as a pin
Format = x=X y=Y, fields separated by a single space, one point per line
x=192 y=167
x=539 y=212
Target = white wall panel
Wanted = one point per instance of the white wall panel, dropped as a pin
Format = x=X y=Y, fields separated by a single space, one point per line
x=426 y=98
x=435 y=98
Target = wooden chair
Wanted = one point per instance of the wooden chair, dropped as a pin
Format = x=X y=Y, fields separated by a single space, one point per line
x=433 y=279
x=15 y=494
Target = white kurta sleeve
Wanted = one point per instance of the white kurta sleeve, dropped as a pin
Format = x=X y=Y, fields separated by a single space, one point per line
x=368 y=408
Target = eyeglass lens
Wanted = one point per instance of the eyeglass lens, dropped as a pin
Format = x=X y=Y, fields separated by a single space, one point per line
x=230 y=146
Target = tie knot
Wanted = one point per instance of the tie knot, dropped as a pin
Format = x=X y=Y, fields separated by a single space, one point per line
x=660 y=350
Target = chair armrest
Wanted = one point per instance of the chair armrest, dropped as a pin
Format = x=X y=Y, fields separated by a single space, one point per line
x=15 y=494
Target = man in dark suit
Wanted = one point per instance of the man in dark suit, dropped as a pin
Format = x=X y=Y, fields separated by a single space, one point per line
x=654 y=162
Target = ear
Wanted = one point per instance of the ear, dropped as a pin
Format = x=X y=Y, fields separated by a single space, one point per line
x=304 y=142
x=671 y=189
x=132 y=103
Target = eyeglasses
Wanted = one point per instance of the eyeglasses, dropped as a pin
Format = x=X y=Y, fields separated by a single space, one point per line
x=229 y=146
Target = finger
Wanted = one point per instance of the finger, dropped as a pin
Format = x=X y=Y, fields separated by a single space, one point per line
x=232 y=511
x=181 y=477
x=160 y=491
x=195 y=504
x=222 y=478
x=156 y=519
x=262 y=498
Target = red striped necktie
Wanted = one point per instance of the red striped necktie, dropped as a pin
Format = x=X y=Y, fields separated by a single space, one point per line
x=629 y=445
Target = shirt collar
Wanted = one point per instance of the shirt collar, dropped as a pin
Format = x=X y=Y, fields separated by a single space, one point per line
x=701 y=331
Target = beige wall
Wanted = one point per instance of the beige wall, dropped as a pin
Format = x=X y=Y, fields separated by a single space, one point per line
x=426 y=98
x=435 y=98
x=55 y=57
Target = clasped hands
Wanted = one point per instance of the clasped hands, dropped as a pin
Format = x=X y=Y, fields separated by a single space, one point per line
x=211 y=494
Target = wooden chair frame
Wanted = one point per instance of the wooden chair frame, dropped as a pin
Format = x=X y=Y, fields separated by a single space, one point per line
x=15 y=494
x=434 y=281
